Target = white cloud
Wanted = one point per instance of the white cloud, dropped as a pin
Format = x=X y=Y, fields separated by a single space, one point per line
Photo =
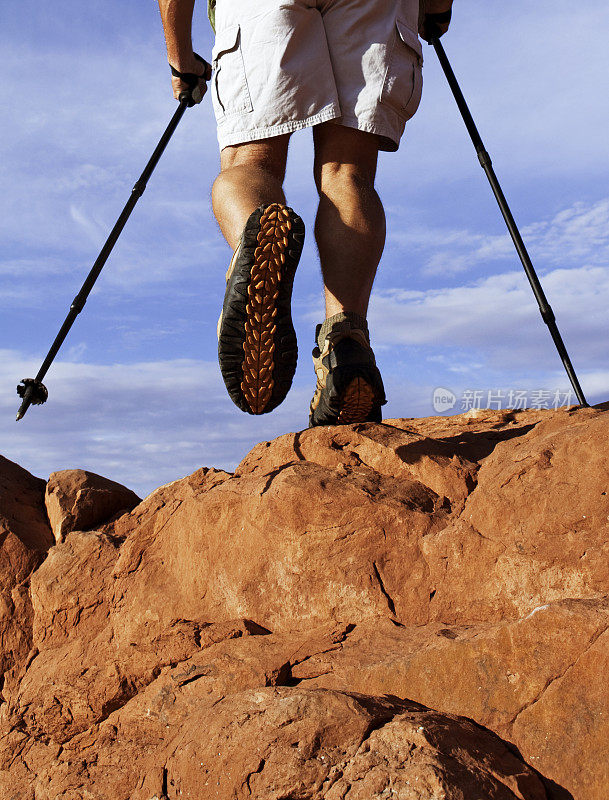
x=31 y=267
x=498 y=317
x=143 y=424
x=579 y=233
x=597 y=383
x=93 y=229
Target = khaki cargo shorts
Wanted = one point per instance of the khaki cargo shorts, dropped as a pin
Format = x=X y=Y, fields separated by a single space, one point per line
x=281 y=65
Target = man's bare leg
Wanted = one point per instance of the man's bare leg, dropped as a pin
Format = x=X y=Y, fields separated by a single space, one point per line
x=257 y=347
x=251 y=175
x=350 y=224
x=350 y=234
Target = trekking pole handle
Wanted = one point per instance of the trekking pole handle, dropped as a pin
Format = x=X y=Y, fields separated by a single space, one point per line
x=433 y=31
x=193 y=94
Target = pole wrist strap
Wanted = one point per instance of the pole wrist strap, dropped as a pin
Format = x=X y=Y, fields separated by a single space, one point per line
x=191 y=79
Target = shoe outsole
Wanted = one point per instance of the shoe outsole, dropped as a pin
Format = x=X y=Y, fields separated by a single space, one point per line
x=257 y=347
x=356 y=402
x=348 y=398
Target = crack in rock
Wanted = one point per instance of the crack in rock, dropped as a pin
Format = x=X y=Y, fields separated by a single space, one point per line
x=556 y=678
x=256 y=771
x=390 y=603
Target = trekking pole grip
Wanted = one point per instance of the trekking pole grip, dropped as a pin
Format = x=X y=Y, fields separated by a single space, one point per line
x=433 y=31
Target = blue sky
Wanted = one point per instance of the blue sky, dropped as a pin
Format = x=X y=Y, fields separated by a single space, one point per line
x=136 y=393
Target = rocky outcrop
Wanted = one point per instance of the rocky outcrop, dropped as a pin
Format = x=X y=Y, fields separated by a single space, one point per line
x=24 y=539
x=417 y=609
x=77 y=500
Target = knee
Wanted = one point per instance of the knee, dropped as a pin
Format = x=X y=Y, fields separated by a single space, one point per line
x=267 y=157
x=336 y=179
x=245 y=171
x=223 y=179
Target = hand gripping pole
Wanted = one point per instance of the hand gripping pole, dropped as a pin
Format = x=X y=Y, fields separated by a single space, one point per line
x=32 y=390
x=485 y=161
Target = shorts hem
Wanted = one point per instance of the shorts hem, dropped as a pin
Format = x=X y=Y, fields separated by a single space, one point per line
x=255 y=134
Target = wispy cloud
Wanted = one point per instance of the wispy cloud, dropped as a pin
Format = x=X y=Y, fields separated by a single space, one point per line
x=498 y=310
x=488 y=329
x=144 y=423
x=577 y=234
x=94 y=230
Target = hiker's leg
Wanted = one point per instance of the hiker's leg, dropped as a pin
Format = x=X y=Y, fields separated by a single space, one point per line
x=251 y=175
x=350 y=224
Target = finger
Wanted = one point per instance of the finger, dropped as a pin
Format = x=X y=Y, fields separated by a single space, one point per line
x=178 y=87
x=207 y=68
x=199 y=92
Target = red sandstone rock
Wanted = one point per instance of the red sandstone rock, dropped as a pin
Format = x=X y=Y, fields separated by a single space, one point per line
x=77 y=500
x=272 y=743
x=534 y=681
x=25 y=537
x=459 y=563
x=294 y=743
x=536 y=528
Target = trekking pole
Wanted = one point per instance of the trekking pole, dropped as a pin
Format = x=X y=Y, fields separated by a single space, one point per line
x=32 y=390
x=485 y=161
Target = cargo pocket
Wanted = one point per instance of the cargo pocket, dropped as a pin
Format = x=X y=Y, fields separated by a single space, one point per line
x=404 y=80
x=230 y=93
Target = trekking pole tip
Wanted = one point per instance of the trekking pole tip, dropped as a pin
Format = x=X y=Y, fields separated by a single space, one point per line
x=32 y=391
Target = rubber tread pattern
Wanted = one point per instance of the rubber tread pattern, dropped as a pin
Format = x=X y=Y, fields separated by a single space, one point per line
x=353 y=390
x=356 y=403
x=257 y=347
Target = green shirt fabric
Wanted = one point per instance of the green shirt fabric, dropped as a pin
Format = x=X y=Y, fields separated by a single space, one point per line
x=211 y=13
